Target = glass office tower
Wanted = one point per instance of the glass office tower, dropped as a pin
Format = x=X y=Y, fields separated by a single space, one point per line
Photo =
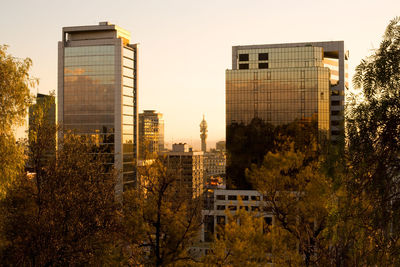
x=279 y=84
x=97 y=92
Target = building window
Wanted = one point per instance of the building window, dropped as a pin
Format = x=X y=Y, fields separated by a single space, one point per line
x=232 y=207
x=335 y=132
x=243 y=66
x=263 y=65
x=243 y=57
x=268 y=220
x=208 y=228
x=335 y=113
x=220 y=197
x=256 y=198
x=335 y=123
x=263 y=56
x=335 y=103
x=220 y=207
x=244 y=198
x=232 y=197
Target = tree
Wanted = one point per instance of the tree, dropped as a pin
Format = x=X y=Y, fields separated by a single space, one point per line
x=15 y=84
x=161 y=219
x=298 y=195
x=248 y=144
x=241 y=242
x=373 y=130
x=66 y=214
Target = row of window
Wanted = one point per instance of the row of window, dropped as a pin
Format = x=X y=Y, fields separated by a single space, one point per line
x=252 y=208
x=235 y=197
x=245 y=66
x=287 y=74
x=245 y=57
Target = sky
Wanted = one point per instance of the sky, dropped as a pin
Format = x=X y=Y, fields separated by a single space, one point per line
x=186 y=45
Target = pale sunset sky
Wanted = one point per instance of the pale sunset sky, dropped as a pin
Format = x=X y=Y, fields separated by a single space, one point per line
x=185 y=45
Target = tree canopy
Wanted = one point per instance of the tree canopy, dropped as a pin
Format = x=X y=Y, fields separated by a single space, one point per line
x=15 y=84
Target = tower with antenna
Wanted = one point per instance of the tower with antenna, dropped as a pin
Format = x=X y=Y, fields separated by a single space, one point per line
x=203 y=134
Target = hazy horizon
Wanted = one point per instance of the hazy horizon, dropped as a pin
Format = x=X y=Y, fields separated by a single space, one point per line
x=185 y=46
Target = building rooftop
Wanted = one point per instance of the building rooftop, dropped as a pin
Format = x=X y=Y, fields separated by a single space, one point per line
x=101 y=27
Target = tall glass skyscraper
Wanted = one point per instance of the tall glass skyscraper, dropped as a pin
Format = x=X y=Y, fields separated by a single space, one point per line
x=97 y=92
x=283 y=83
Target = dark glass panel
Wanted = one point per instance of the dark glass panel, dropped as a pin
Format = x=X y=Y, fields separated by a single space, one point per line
x=243 y=57
x=263 y=56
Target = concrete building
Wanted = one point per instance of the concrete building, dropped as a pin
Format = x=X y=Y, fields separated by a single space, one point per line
x=221 y=201
x=214 y=165
x=151 y=134
x=97 y=91
x=189 y=167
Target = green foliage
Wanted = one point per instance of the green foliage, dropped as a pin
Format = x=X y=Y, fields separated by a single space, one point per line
x=42 y=134
x=373 y=130
x=15 y=83
x=67 y=215
x=298 y=194
x=341 y=209
x=161 y=219
x=241 y=242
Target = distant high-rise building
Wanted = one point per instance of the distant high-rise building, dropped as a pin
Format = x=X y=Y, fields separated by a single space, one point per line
x=97 y=92
x=283 y=83
x=280 y=83
x=214 y=163
x=189 y=167
x=151 y=133
x=203 y=135
x=46 y=104
x=50 y=115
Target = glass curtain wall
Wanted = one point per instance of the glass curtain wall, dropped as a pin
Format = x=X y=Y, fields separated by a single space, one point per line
x=279 y=86
x=128 y=114
x=89 y=84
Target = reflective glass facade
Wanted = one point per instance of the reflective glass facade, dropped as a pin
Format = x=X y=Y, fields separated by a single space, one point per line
x=89 y=83
x=279 y=86
x=294 y=89
x=151 y=134
x=97 y=93
x=129 y=114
